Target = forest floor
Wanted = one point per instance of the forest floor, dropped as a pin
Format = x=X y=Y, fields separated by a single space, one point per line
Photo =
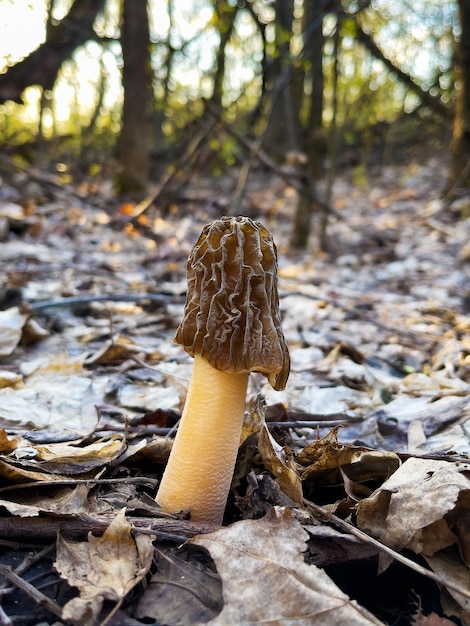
x=372 y=430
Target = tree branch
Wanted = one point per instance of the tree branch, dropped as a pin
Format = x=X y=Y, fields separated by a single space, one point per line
x=42 y=66
x=429 y=100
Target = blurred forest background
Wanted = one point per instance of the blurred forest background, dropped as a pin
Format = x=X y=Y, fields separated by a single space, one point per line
x=149 y=93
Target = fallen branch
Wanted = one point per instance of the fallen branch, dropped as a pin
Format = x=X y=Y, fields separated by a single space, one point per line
x=47 y=527
x=30 y=590
x=159 y=299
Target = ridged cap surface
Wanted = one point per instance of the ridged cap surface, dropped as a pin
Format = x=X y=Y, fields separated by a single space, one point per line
x=231 y=315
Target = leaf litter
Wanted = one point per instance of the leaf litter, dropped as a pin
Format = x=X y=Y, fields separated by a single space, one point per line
x=352 y=482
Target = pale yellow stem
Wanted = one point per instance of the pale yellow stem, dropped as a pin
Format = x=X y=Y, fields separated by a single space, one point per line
x=200 y=468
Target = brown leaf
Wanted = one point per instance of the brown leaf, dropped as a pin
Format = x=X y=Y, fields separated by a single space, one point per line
x=279 y=460
x=266 y=580
x=326 y=461
x=9 y=443
x=449 y=567
x=419 y=494
x=105 y=567
x=62 y=501
x=181 y=592
x=21 y=510
x=116 y=350
x=61 y=458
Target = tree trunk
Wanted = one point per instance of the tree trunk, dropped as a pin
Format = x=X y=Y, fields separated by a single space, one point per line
x=280 y=136
x=313 y=51
x=313 y=144
x=460 y=147
x=136 y=132
x=225 y=18
x=42 y=66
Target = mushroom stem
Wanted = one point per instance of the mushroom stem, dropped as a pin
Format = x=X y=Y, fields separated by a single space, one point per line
x=198 y=473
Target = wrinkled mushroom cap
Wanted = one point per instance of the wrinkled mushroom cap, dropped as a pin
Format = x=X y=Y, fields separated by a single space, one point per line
x=231 y=316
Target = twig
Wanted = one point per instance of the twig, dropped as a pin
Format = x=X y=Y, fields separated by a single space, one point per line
x=32 y=558
x=151 y=482
x=123 y=297
x=344 y=525
x=47 y=527
x=448 y=232
x=30 y=590
x=112 y=613
x=312 y=423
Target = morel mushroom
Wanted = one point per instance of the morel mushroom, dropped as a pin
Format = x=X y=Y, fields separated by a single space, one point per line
x=231 y=326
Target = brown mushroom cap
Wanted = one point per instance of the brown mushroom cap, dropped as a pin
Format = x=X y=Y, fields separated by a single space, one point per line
x=231 y=316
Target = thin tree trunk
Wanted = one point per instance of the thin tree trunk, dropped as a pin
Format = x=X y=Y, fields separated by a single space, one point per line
x=313 y=144
x=225 y=18
x=135 y=137
x=313 y=51
x=45 y=102
x=332 y=136
x=460 y=147
x=279 y=134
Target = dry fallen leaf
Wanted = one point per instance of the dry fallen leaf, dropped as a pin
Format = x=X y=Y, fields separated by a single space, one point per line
x=279 y=460
x=425 y=507
x=59 y=394
x=11 y=329
x=266 y=581
x=83 y=458
x=114 y=351
x=10 y=379
x=449 y=567
x=183 y=591
x=105 y=567
x=323 y=459
x=8 y=443
x=405 y=510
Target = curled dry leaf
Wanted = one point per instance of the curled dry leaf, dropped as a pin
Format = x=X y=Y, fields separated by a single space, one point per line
x=425 y=507
x=80 y=459
x=8 y=443
x=12 y=322
x=103 y=568
x=60 y=458
x=266 y=581
x=10 y=379
x=279 y=460
x=322 y=459
x=116 y=350
x=410 y=508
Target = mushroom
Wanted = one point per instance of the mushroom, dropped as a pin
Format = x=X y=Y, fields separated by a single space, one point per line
x=231 y=326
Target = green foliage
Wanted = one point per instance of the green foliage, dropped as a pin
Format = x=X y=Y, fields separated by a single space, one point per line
x=416 y=35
